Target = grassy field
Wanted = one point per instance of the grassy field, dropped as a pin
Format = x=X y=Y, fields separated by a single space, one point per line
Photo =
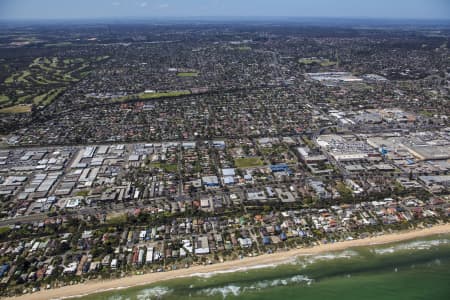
x=4 y=230
x=3 y=99
x=83 y=193
x=61 y=44
x=425 y=113
x=44 y=71
x=187 y=74
x=69 y=61
x=23 y=76
x=23 y=99
x=10 y=79
x=100 y=58
x=147 y=96
x=322 y=62
x=48 y=97
x=43 y=81
x=244 y=48
x=116 y=218
x=169 y=168
x=16 y=109
x=248 y=162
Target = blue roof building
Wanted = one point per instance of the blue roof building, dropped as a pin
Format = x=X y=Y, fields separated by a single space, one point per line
x=210 y=181
x=4 y=269
x=218 y=144
x=279 y=168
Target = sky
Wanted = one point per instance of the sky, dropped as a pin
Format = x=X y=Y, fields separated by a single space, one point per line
x=91 y=9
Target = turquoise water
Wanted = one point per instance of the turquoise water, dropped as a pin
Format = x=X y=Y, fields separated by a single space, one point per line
x=416 y=269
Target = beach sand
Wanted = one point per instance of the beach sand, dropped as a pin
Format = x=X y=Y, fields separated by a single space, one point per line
x=96 y=286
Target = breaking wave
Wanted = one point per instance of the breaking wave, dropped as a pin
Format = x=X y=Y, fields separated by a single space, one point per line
x=337 y=255
x=416 y=245
x=153 y=293
x=118 y=297
x=240 y=269
x=278 y=282
x=236 y=290
x=224 y=291
x=309 y=260
x=303 y=261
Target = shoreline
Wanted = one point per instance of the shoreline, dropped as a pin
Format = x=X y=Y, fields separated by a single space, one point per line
x=263 y=260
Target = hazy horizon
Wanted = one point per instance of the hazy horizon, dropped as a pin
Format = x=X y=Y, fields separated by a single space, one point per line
x=191 y=9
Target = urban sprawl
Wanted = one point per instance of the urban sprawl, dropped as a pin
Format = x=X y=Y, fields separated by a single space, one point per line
x=128 y=149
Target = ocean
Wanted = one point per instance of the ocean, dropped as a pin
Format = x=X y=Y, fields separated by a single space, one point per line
x=414 y=269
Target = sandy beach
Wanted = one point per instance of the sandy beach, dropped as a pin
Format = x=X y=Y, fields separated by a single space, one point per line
x=96 y=286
